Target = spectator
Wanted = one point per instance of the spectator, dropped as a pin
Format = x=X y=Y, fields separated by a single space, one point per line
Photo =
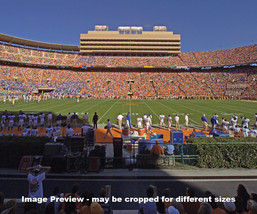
x=157 y=149
x=54 y=205
x=148 y=207
x=252 y=207
x=230 y=207
x=191 y=207
x=106 y=206
x=10 y=207
x=96 y=208
x=73 y=194
x=214 y=206
x=205 y=208
x=239 y=206
x=85 y=206
x=1 y=201
x=243 y=194
x=35 y=179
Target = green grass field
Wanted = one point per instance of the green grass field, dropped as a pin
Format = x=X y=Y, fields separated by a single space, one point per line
x=109 y=109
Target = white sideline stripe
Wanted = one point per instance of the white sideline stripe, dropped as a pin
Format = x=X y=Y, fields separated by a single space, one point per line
x=107 y=111
x=175 y=111
x=150 y=109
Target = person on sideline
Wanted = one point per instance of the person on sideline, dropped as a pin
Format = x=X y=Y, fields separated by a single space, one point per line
x=109 y=126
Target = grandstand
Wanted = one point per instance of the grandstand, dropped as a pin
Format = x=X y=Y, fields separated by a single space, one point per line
x=27 y=66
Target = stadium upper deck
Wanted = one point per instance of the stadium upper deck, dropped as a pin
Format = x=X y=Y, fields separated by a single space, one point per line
x=28 y=55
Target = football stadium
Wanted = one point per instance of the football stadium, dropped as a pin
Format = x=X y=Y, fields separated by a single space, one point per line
x=126 y=122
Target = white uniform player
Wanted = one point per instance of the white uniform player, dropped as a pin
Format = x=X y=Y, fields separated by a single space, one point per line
x=3 y=118
x=139 y=122
x=151 y=119
x=11 y=121
x=233 y=122
x=30 y=119
x=42 y=119
x=35 y=118
x=161 y=118
x=177 y=121
x=245 y=122
x=49 y=131
x=255 y=117
x=147 y=124
x=245 y=131
x=68 y=117
x=21 y=121
x=49 y=119
x=169 y=120
x=26 y=131
x=224 y=124
x=119 y=119
x=85 y=118
x=186 y=121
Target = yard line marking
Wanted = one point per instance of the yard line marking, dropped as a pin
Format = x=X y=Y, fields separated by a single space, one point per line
x=97 y=104
x=63 y=104
x=191 y=110
x=216 y=110
x=83 y=103
x=188 y=108
x=175 y=111
x=151 y=109
x=30 y=104
x=108 y=110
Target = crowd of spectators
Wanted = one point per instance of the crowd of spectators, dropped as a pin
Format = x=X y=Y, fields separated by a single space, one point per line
x=240 y=55
x=190 y=203
x=27 y=55
x=233 y=82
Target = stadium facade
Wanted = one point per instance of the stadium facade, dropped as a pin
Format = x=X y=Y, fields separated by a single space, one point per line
x=130 y=41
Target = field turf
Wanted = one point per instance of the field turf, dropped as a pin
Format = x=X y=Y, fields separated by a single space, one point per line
x=109 y=109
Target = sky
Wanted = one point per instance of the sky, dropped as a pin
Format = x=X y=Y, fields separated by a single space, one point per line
x=203 y=24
